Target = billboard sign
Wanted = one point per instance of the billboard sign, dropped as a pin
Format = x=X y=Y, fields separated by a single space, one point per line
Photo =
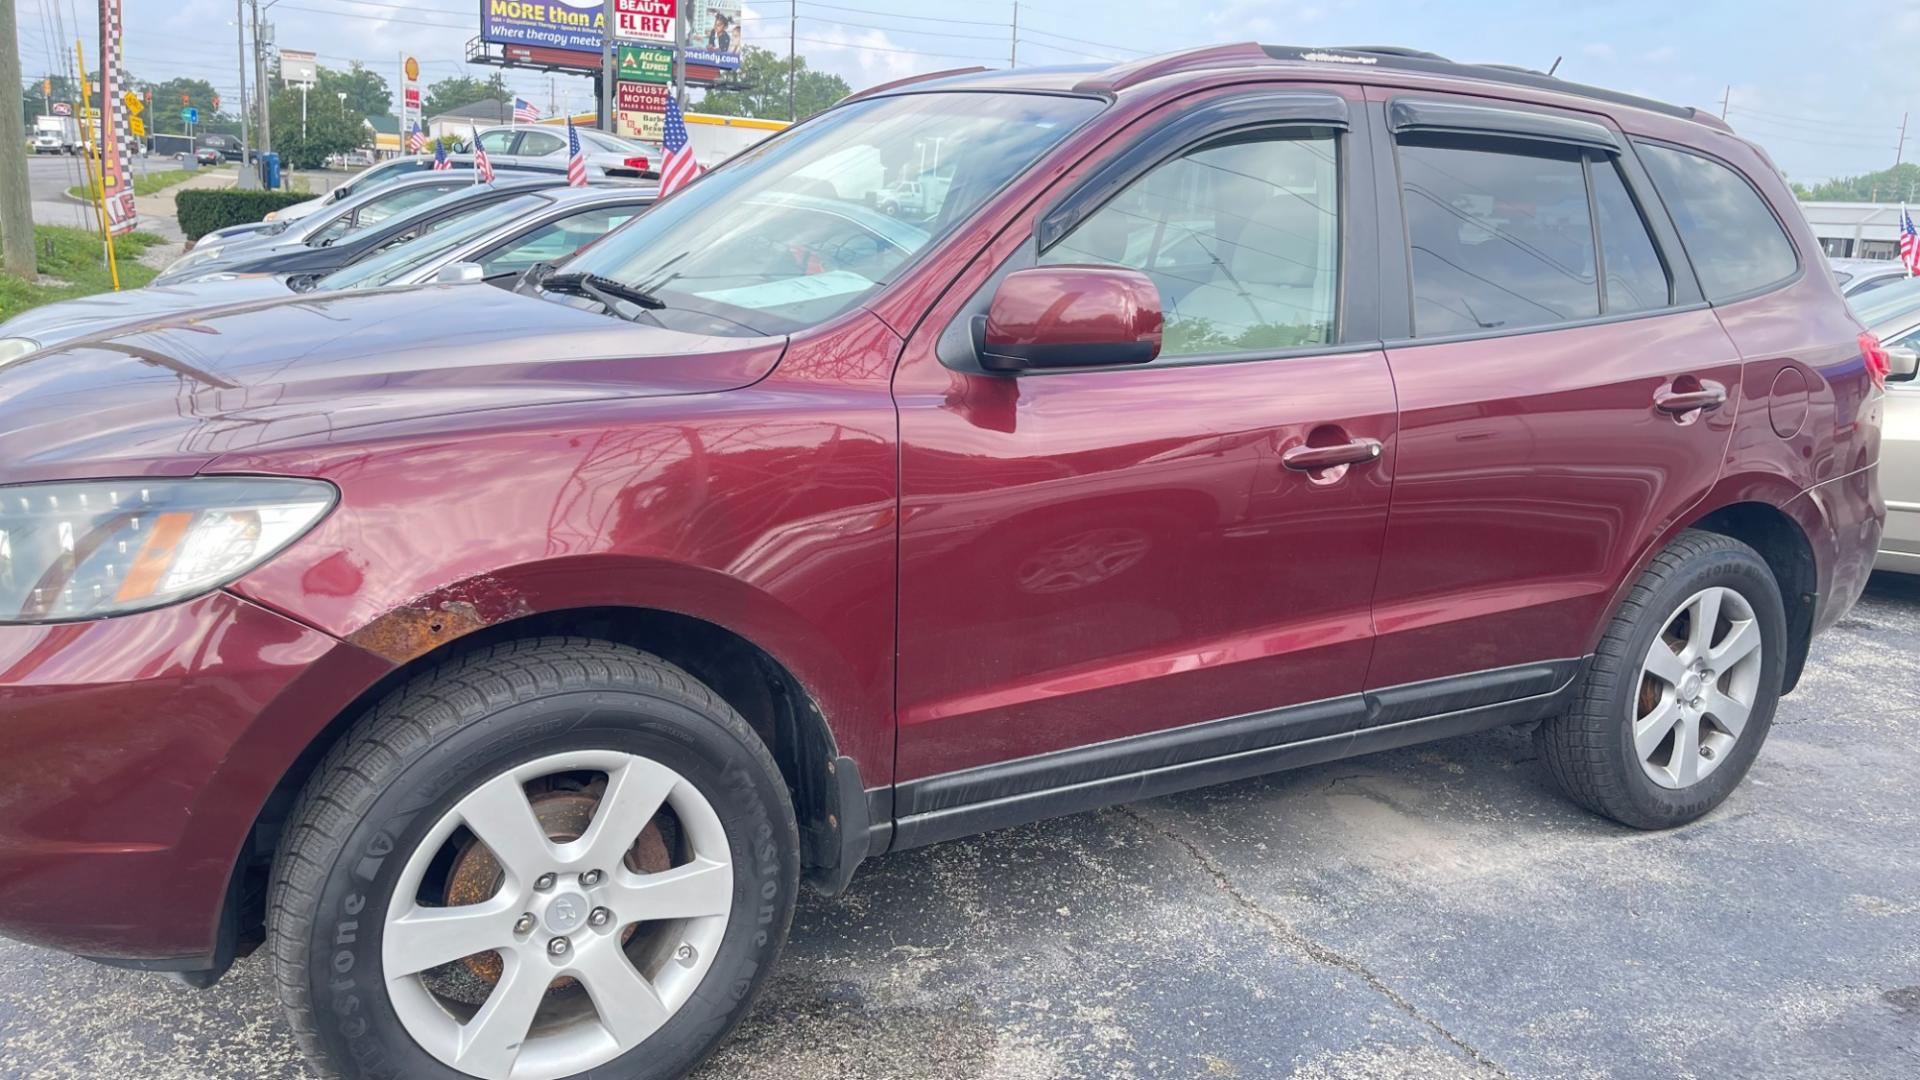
x=714 y=35
x=298 y=68
x=554 y=24
x=644 y=64
x=643 y=20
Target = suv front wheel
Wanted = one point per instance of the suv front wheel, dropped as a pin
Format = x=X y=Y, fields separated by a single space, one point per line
x=1680 y=694
x=549 y=858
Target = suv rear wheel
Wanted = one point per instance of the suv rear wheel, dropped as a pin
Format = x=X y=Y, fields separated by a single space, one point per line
x=1681 y=692
x=548 y=858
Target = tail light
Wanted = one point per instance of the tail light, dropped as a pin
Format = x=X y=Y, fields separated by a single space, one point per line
x=1879 y=365
x=636 y=163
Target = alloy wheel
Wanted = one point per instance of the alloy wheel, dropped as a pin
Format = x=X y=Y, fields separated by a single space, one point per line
x=1698 y=686
x=557 y=916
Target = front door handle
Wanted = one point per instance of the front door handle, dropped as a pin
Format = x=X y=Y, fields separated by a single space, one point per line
x=1316 y=458
x=1710 y=395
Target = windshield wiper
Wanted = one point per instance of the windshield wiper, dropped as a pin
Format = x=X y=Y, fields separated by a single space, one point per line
x=604 y=289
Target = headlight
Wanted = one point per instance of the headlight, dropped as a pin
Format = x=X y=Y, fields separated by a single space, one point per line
x=84 y=550
x=14 y=348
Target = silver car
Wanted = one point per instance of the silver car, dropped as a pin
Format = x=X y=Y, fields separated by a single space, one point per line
x=1893 y=314
x=493 y=244
x=319 y=229
x=1857 y=277
x=545 y=146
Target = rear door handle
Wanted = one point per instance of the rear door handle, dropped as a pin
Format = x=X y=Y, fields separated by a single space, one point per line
x=1316 y=458
x=1711 y=395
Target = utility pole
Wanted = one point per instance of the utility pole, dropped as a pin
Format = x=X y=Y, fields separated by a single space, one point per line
x=1013 y=49
x=680 y=20
x=240 y=44
x=16 y=206
x=1900 y=148
x=609 y=79
x=793 y=60
x=261 y=92
x=1724 y=99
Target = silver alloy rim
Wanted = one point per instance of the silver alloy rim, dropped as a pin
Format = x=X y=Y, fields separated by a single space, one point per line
x=562 y=911
x=1697 y=688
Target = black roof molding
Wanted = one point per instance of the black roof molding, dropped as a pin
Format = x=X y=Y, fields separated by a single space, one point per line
x=1393 y=58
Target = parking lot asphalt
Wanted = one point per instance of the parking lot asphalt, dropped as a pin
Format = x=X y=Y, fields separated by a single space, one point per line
x=1435 y=912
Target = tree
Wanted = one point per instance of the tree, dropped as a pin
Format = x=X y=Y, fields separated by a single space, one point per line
x=164 y=116
x=16 y=212
x=367 y=93
x=1898 y=184
x=451 y=93
x=331 y=128
x=764 y=75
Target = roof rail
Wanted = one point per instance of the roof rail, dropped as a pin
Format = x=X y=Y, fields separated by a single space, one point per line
x=896 y=84
x=1398 y=59
x=1121 y=76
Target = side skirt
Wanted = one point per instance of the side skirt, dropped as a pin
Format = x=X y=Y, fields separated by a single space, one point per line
x=952 y=805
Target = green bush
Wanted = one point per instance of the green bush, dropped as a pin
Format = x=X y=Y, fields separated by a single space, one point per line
x=203 y=210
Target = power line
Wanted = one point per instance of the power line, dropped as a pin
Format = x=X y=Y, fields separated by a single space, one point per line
x=918 y=18
x=1793 y=119
x=879 y=48
x=1084 y=41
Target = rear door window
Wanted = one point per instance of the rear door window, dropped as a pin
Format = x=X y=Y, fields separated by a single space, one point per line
x=539 y=143
x=1500 y=240
x=1636 y=278
x=1734 y=241
x=1508 y=235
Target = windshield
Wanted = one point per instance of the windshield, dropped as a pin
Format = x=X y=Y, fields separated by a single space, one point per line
x=450 y=233
x=808 y=224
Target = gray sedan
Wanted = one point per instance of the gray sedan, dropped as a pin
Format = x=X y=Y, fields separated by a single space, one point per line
x=325 y=227
x=1893 y=314
x=493 y=245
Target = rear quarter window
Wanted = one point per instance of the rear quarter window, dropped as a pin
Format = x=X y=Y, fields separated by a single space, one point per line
x=1733 y=238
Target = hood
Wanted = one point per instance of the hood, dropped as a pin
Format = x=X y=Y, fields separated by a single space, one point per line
x=55 y=324
x=165 y=396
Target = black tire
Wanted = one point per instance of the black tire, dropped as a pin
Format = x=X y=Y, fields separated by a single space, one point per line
x=436 y=738
x=1590 y=750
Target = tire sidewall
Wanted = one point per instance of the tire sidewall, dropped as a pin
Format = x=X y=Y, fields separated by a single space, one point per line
x=354 y=1016
x=1746 y=574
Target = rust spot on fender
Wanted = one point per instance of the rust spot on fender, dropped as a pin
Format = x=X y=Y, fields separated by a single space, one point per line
x=424 y=624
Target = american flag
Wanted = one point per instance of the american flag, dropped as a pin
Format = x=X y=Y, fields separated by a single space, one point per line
x=416 y=142
x=1909 y=244
x=576 y=158
x=678 y=169
x=482 y=168
x=524 y=111
x=440 y=162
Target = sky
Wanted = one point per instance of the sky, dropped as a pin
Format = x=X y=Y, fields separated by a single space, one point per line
x=1822 y=86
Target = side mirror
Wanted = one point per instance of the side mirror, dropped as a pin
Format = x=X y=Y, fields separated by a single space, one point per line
x=1071 y=316
x=460 y=273
x=1903 y=364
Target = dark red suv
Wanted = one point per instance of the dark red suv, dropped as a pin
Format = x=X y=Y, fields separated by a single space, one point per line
x=991 y=446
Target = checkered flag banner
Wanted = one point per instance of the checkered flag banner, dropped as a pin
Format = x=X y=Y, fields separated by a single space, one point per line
x=116 y=139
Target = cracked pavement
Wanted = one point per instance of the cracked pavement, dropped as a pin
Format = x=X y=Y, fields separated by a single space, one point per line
x=1435 y=912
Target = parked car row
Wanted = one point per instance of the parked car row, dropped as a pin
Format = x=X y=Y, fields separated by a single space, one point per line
x=990 y=446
